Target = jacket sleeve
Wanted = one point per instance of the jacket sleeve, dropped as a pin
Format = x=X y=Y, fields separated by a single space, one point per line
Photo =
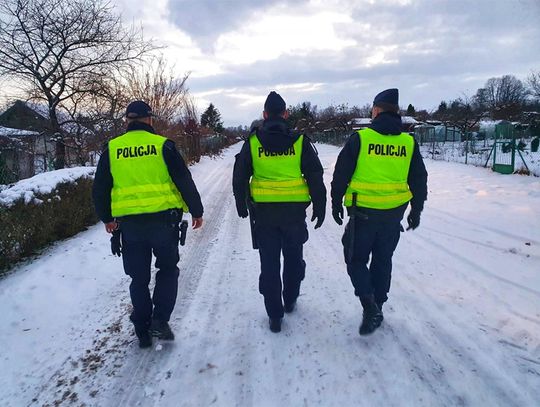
x=181 y=177
x=102 y=187
x=417 y=180
x=313 y=173
x=243 y=170
x=344 y=170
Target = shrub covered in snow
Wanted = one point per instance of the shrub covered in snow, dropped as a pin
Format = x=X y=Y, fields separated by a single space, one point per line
x=42 y=209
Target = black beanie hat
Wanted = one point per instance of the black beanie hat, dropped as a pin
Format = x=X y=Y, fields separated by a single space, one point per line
x=274 y=104
x=138 y=109
x=388 y=99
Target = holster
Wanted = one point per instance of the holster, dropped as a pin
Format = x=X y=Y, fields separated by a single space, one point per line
x=252 y=221
x=183 y=232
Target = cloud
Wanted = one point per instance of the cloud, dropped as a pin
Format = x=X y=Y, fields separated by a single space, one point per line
x=206 y=20
x=431 y=50
x=343 y=51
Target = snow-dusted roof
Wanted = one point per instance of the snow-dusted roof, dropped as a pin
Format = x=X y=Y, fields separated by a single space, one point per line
x=9 y=132
x=489 y=122
x=43 y=110
x=361 y=120
x=409 y=120
x=39 y=108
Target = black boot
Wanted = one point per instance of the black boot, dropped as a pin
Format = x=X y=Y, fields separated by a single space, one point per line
x=275 y=324
x=380 y=305
x=289 y=307
x=145 y=339
x=372 y=316
x=161 y=330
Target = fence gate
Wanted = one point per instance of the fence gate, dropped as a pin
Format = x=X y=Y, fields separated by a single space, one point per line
x=504 y=157
x=504 y=149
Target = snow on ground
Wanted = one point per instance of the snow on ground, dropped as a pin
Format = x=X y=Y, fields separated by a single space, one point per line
x=462 y=326
x=43 y=183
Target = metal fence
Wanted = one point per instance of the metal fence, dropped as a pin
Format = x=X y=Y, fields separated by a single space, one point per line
x=519 y=153
x=336 y=138
x=514 y=155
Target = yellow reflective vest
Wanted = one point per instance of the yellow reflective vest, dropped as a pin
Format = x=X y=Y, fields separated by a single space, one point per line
x=141 y=180
x=382 y=169
x=277 y=177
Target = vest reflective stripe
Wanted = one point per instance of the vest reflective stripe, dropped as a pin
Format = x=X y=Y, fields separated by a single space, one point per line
x=141 y=189
x=141 y=180
x=277 y=177
x=272 y=184
x=382 y=168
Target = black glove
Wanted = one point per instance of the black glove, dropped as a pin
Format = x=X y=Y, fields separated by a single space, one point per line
x=413 y=219
x=318 y=213
x=241 y=208
x=116 y=245
x=337 y=214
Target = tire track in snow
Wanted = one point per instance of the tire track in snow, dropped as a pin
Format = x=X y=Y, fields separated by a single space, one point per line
x=129 y=361
x=475 y=266
x=144 y=374
x=469 y=348
x=217 y=337
x=427 y=376
x=499 y=249
x=497 y=298
x=468 y=223
x=491 y=377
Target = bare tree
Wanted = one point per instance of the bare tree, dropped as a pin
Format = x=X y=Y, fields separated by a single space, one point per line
x=533 y=80
x=168 y=95
x=61 y=48
x=503 y=96
x=461 y=113
x=363 y=111
x=98 y=116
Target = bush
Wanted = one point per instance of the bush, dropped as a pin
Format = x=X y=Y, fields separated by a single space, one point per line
x=27 y=227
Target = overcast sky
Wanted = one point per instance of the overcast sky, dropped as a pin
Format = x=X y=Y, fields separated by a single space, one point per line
x=339 y=51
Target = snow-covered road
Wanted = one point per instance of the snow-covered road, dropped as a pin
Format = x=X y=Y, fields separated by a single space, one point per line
x=462 y=326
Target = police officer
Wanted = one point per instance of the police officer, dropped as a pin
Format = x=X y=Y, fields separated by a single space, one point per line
x=379 y=171
x=141 y=188
x=279 y=173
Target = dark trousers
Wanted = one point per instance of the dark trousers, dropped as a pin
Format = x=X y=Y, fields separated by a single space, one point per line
x=273 y=241
x=139 y=241
x=378 y=240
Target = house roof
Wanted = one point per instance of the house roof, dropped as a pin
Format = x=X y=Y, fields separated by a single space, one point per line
x=361 y=121
x=41 y=111
x=9 y=132
x=409 y=120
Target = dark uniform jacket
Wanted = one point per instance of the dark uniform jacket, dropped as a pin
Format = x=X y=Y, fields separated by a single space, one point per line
x=387 y=124
x=180 y=175
x=276 y=136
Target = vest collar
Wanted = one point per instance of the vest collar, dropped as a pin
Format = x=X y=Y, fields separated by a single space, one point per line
x=276 y=135
x=140 y=126
x=387 y=123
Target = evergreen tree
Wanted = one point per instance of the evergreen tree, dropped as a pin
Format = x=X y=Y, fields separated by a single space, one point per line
x=443 y=107
x=212 y=118
x=410 y=110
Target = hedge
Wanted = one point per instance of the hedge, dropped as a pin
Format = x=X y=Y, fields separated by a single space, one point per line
x=25 y=228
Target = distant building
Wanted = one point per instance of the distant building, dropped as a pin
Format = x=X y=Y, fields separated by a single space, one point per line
x=359 y=123
x=408 y=123
x=26 y=116
x=26 y=131
x=23 y=153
